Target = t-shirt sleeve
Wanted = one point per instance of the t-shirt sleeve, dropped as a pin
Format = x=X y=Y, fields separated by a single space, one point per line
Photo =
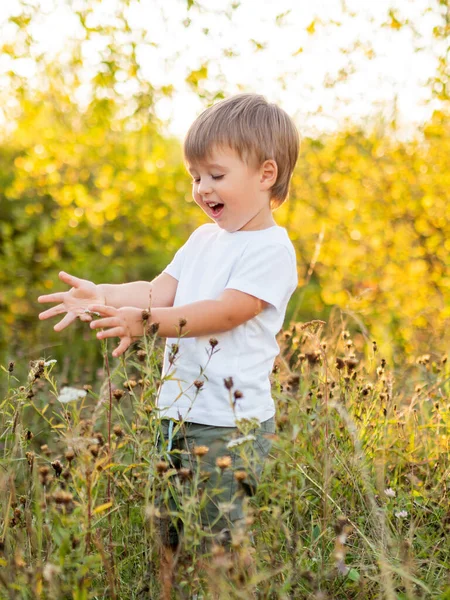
x=266 y=272
x=175 y=267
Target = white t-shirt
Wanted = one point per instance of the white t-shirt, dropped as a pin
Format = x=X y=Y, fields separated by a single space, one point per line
x=261 y=263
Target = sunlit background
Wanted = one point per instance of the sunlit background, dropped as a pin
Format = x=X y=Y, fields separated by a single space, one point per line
x=324 y=62
x=96 y=96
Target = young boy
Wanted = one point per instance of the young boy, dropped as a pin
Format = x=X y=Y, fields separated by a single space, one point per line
x=231 y=280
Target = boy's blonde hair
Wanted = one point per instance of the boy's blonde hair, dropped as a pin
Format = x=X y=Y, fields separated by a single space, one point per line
x=252 y=127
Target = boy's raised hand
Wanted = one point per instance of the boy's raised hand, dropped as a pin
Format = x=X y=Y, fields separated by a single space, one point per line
x=73 y=302
x=124 y=323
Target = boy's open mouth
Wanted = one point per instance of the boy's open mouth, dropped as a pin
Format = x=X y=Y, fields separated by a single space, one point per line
x=216 y=210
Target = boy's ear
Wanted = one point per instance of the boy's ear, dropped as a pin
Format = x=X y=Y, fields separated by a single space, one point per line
x=269 y=173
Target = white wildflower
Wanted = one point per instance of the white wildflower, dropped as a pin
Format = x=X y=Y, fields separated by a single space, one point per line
x=50 y=362
x=50 y=571
x=390 y=493
x=401 y=514
x=70 y=394
x=241 y=440
x=226 y=507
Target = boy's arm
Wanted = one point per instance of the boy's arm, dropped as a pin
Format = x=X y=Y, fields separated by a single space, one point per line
x=73 y=303
x=205 y=317
x=137 y=293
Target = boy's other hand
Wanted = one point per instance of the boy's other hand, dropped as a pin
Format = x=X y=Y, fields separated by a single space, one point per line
x=73 y=303
x=124 y=323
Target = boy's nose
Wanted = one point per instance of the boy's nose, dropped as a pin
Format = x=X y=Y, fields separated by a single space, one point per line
x=204 y=188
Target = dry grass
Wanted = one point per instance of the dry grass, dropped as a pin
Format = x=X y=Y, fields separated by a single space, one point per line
x=353 y=502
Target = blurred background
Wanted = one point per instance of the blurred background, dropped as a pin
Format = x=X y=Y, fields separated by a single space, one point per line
x=96 y=96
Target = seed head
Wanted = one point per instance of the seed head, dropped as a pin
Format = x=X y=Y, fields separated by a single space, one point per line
x=182 y=322
x=141 y=354
x=340 y=364
x=57 y=466
x=184 y=474
x=366 y=389
x=118 y=394
x=223 y=462
x=70 y=455
x=228 y=382
x=153 y=328
x=43 y=474
x=313 y=357
x=213 y=342
x=240 y=475
x=118 y=431
x=161 y=466
x=11 y=366
x=100 y=438
x=374 y=346
x=145 y=315
x=30 y=458
x=198 y=384
x=93 y=449
x=200 y=450
x=130 y=384
x=62 y=497
x=351 y=363
x=238 y=394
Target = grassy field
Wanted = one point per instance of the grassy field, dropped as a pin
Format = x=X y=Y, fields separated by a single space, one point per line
x=353 y=502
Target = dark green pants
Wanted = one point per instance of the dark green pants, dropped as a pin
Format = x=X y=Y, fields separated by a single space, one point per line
x=216 y=469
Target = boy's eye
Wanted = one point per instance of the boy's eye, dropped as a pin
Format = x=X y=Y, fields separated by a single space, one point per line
x=213 y=176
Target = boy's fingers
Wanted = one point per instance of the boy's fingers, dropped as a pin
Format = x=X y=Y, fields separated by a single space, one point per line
x=108 y=311
x=113 y=332
x=124 y=343
x=70 y=279
x=58 y=297
x=68 y=319
x=85 y=317
x=52 y=312
x=107 y=322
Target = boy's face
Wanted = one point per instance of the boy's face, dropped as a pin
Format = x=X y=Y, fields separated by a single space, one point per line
x=239 y=190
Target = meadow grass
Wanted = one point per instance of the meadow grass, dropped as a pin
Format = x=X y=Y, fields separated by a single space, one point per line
x=353 y=502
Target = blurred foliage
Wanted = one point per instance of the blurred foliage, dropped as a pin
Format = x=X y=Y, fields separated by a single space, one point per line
x=101 y=192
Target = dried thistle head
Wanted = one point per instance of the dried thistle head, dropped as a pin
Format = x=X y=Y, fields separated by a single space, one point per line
x=200 y=450
x=161 y=466
x=184 y=474
x=228 y=382
x=118 y=431
x=70 y=455
x=240 y=475
x=118 y=394
x=57 y=466
x=141 y=355
x=223 y=462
